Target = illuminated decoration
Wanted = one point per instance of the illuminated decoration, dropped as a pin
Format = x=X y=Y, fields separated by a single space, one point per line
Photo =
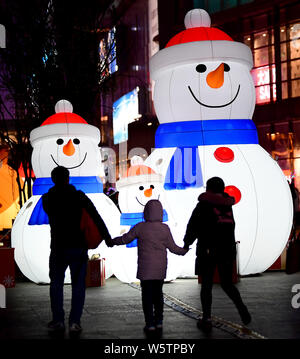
x=125 y=111
x=204 y=98
x=139 y=185
x=107 y=55
x=261 y=78
x=9 y=192
x=64 y=139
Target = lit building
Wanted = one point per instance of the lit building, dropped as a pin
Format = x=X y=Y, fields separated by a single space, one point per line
x=126 y=112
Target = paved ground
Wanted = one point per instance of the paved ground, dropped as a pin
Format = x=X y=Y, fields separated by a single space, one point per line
x=114 y=311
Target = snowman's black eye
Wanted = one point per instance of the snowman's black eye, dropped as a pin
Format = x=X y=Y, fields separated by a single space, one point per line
x=76 y=141
x=60 y=141
x=151 y=186
x=141 y=188
x=226 y=67
x=201 y=68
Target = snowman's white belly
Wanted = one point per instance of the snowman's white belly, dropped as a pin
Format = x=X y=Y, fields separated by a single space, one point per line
x=274 y=211
x=32 y=242
x=264 y=214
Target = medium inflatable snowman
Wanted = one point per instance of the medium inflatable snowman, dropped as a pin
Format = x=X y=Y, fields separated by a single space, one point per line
x=139 y=185
x=204 y=98
x=64 y=139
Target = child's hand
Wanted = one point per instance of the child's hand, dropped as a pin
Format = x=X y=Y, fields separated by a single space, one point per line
x=109 y=242
x=186 y=247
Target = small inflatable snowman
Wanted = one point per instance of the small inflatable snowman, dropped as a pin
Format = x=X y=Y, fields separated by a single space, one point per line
x=64 y=139
x=204 y=98
x=139 y=185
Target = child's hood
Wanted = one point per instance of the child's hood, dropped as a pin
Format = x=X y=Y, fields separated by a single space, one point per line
x=153 y=211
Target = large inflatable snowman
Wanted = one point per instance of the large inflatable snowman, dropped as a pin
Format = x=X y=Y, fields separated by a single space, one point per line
x=204 y=98
x=64 y=139
x=139 y=185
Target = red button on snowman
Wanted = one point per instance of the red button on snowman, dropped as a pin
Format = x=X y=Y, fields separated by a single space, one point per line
x=204 y=98
x=64 y=139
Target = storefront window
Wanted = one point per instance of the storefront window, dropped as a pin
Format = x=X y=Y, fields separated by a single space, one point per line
x=284 y=90
x=264 y=72
x=263 y=77
x=263 y=56
x=291 y=60
x=295 y=69
x=282 y=33
x=283 y=52
x=295 y=88
x=284 y=71
x=294 y=31
x=279 y=141
x=261 y=39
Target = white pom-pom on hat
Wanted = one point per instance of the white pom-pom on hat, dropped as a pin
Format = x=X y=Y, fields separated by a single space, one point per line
x=136 y=160
x=63 y=106
x=197 y=18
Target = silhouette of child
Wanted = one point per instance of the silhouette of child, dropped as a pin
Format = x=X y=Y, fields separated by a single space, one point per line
x=153 y=238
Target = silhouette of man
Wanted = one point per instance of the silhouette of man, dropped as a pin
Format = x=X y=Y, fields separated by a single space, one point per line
x=63 y=205
x=212 y=223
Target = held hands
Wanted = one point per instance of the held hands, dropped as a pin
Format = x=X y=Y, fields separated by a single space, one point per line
x=186 y=247
x=109 y=242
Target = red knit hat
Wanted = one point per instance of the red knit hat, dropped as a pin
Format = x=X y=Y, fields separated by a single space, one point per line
x=65 y=123
x=199 y=42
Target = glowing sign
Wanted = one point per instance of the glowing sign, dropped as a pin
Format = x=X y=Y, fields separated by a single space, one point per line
x=108 y=54
x=125 y=111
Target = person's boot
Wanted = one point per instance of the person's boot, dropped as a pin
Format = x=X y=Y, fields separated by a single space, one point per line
x=205 y=324
x=244 y=314
x=56 y=327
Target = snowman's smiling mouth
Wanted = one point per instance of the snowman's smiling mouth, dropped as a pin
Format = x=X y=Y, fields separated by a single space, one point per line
x=145 y=204
x=70 y=168
x=215 y=106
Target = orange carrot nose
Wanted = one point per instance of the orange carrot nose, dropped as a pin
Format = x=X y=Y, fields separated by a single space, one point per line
x=148 y=192
x=215 y=79
x=69 y=148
